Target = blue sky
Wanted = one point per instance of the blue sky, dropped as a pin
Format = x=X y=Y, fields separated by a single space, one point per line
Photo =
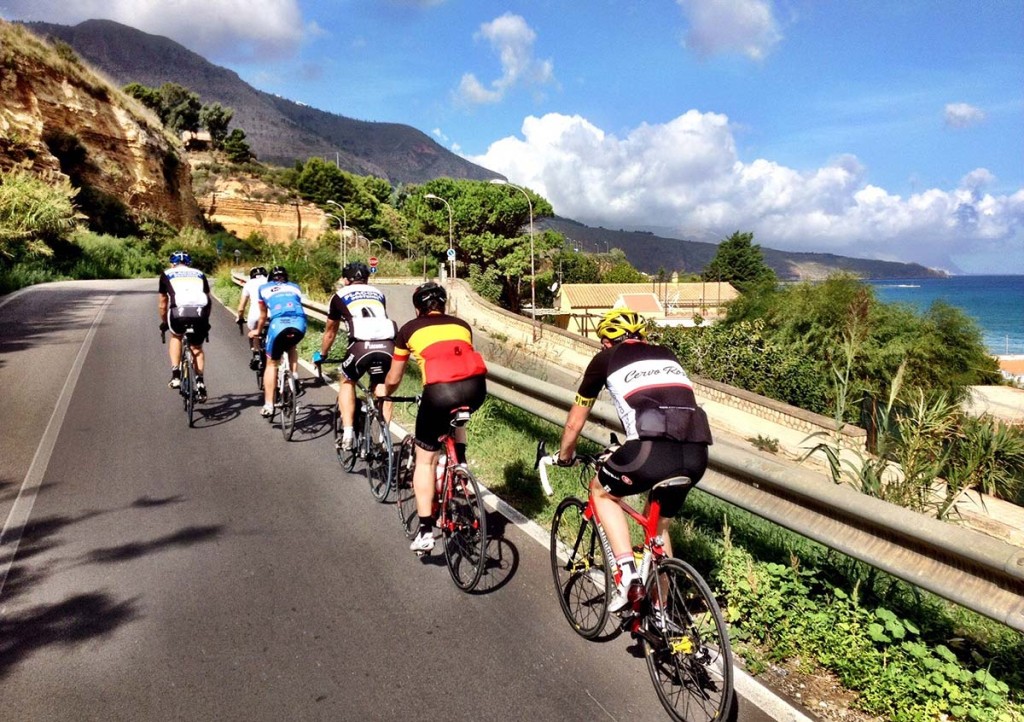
x=866 y=128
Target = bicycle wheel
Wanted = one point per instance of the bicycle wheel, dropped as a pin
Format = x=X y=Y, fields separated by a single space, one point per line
x=259 y=371
x=405 y=497
x=463 y=525
x=343 y=455
x=686 y=645
x=188 y=386
x=582 y=572
x=379 y=456
x=287 y=405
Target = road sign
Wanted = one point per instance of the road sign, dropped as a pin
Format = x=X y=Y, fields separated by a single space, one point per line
x=451 y=254
x=373 y=269
x=373 y=261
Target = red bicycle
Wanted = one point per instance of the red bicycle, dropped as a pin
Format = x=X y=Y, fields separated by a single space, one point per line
x=678 y=621
x=461 y=515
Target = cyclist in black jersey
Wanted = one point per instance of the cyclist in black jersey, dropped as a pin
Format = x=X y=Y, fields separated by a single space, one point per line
x=667 y=434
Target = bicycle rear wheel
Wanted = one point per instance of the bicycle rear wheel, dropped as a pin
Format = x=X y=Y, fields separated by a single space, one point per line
x=188 y=385
x=582 y=572
x=687 y=645
x=379 y=456
x=288 y=405
x=405 y=496
x=463 y=524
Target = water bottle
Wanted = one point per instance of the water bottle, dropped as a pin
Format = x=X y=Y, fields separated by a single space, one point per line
x=442 y=462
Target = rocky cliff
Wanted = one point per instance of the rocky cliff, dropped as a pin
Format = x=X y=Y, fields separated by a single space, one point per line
x=59 y=117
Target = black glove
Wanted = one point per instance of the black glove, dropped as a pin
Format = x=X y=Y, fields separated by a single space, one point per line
x=564 y=462
x=164 y=326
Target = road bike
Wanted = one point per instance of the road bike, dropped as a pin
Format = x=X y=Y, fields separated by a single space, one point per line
x=458 y=506
x=285 y=394
x=371 y=440
x=677 y=621
x=186 y=372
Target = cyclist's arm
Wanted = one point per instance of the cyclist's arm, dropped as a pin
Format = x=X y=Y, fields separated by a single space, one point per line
x=330 y=333
x=162 y=307
x=242 y=303
x=261 y=323
x=573 y=426
x=394 y=376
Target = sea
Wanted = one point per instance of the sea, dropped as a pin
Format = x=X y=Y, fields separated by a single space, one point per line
x=996 y=303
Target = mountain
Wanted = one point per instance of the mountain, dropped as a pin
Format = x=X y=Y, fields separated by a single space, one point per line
x=278 y=130
x=651 y=253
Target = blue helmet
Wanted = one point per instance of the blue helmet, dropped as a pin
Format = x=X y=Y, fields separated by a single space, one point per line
x=181 y=257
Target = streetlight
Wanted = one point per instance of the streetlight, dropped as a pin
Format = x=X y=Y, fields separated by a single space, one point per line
x=341 y=240
x=344 y=231
x=533 y=267
x=451 y=247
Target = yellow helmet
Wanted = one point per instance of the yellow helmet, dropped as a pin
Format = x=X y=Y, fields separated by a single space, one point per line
x=620 y=323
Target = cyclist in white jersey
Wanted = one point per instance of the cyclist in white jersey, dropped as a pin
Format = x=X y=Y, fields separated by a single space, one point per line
x=370 y=340
x=184 y=302
x=250 y=298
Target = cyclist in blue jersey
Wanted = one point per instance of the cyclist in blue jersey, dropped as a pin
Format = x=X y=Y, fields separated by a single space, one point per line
x=282 y=313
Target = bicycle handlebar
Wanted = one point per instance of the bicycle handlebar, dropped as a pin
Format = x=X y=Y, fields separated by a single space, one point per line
x=544 y=460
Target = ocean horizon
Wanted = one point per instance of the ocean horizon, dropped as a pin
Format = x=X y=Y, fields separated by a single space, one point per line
x=995 y=302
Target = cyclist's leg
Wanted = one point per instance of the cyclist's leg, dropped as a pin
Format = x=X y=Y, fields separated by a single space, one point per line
x=274 y=354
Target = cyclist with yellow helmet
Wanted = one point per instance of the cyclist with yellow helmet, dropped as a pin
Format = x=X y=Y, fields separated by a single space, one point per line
x=667 y=433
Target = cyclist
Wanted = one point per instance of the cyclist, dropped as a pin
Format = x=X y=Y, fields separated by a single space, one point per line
x=185 y=301
x=370 y=340
x=257 y=277
x=454 y=376
x=667 y=434
x=282 y=313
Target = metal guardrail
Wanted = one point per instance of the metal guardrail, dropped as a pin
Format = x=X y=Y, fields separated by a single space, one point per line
x=976 y=571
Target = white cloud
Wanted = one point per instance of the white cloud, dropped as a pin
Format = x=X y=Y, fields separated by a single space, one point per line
x=512 y=40
x=720 y=26
x=216 y=29
x=963 y=115
x=686 y=175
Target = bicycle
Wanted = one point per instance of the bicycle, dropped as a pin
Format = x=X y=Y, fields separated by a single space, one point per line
x=285 y=393
x=372 y=438
x=186 y=372
x=461 y=515
x=678 y=621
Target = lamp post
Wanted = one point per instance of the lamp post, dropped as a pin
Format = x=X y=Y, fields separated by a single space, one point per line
x=451 y=237
x=344 y=232
x=341 y=240
x=533 y=266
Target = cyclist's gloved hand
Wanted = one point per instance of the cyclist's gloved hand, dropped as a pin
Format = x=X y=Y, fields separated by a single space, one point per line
x=317 y=357
x=559 y=461
x=164 y=326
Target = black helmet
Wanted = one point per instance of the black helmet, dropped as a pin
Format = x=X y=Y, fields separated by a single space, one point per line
x=355 y=272
x=278 y=273
x=430 y=296
x=257 y=271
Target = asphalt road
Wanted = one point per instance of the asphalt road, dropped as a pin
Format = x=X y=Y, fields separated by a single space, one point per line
x=149 y=571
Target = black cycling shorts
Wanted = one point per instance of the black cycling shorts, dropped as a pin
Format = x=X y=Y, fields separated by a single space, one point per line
x=368 y=357
x=439 y=400
x=637 y=466
x=180 y=320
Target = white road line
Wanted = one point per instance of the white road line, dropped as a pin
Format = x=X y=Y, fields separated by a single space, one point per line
x=22 y=509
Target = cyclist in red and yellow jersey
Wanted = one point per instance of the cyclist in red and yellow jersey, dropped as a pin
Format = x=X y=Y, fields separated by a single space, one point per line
x=454 y=376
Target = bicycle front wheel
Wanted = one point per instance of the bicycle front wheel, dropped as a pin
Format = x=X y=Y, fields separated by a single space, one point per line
x=582 y=572
x=379 y=456
x=686 y=645
x=287 y=405
x=464 y=528
x=405 y=496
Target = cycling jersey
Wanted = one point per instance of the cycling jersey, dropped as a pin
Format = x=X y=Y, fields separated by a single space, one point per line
x=185 y=287
x=364 y=310
x=251 y=291
x=651 y=392
x=442 y=346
